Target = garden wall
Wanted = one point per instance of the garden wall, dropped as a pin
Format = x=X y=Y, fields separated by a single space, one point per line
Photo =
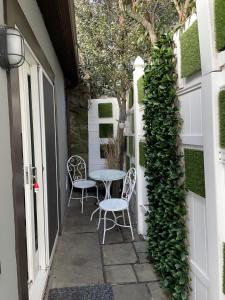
x=201 y=83
x=103 y=115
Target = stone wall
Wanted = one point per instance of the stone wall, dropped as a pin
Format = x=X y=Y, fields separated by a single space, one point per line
x=78 y=121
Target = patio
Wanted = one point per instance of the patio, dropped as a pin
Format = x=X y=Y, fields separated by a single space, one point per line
x=81 y=259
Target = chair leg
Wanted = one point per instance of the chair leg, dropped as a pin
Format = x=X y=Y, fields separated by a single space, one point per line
x=99 y=219
x=124 y=223
x=82 y=201
x=70 y=196
x=103 y=241
x=131 y=229
x=97 y=193
x=86 y=194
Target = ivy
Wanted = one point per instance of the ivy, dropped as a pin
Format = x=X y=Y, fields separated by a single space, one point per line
x=167 y=233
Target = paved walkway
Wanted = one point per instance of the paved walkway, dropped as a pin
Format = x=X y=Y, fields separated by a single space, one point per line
x=80 y=258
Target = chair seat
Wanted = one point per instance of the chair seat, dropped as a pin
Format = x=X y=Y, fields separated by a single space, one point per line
x=113 y=204
x=84 y=184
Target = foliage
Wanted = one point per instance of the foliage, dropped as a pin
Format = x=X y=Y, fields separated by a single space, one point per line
x=140 y=86
x=167 y=234
x=190 y=51
x=194 y=171
x=106 y=130
x=142 y=153
x=108 y=44
x=131 y=98
x=220 y=24
x=105 y=110
x=159 y=17
x=222 y=118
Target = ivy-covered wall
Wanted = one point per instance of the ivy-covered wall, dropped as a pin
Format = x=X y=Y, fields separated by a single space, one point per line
x=140 y=85
x=194 y=171
x=190 y=51
x=222 y=118
x=105 y=110
x=106 y=130
x=220 y=24
x=167 y=233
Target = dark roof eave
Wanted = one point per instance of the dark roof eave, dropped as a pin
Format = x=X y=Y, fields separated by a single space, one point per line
x=57 y=15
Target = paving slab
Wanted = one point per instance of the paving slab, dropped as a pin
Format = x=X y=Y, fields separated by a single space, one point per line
x=145 y=272
x=113 y=236
x=127 y=235
x=116 y=254
x=156 y=291
x=141 y=246
x=143 y=257
x=120 y=274
x=131 y=292
x=77 y=261
x=75 y=222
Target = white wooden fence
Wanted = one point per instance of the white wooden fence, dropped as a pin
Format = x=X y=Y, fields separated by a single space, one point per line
x=94 y=140
x=198 y=96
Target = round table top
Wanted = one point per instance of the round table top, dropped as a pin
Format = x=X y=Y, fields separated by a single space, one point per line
x=107 y=175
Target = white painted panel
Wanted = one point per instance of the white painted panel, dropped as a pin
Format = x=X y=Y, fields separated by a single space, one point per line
x=195 y=113
x=95 y=162
x=185 y=114
x=201 y=291
x=200 y=254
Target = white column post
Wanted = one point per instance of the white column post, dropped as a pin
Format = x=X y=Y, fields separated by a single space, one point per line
x=138 y=125
x=212 y=81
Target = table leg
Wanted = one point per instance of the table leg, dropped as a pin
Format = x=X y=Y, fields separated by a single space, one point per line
x=107 y=185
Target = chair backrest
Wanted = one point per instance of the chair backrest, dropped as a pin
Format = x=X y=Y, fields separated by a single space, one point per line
x=76 y=168
x=129 y=184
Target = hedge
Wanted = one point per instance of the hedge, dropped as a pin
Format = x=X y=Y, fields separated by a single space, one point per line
x=220 y=24
x=140 y=86
x=166 y=221
x=105 y=110
x=106 y=130
x=194 y=171
x=131 y=98
x=222 y=118
x=142 y=153
x=190 y=51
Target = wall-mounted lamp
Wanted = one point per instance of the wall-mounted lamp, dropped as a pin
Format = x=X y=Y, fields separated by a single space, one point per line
x=12 y=53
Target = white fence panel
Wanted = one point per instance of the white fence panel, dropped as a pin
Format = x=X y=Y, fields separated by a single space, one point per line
x=95 y=160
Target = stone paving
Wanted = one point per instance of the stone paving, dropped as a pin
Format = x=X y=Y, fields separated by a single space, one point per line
x=81 y=259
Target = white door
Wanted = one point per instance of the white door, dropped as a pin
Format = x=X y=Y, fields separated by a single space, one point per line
x=33 y=173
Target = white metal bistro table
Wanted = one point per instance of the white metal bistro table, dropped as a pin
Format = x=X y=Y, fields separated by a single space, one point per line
x=107 y=176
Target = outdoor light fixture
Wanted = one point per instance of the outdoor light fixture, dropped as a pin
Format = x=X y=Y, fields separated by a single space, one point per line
x=12 y=53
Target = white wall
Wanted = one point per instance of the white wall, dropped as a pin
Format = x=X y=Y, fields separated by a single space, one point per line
x=95 y=161
x=199 y=109
x=8 y=276
x=33 y=15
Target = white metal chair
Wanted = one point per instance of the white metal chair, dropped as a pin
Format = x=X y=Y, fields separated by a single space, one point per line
x=76 y=168
x=119 y=204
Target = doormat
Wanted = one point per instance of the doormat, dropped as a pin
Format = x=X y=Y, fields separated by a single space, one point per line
x=90 y=292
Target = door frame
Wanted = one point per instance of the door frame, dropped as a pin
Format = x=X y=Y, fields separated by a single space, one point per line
x=42 y=115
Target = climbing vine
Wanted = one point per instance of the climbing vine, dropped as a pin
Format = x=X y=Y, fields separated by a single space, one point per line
x=167 y=233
